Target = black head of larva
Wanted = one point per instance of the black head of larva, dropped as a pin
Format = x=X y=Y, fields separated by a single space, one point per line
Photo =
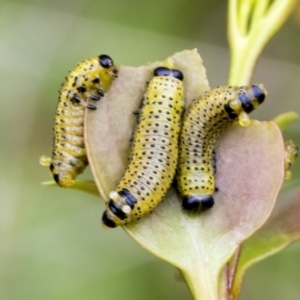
x=105 y=61
x=56 y=178
x=51 y=167
x=108 y=222
x=116 y=210
x=196 y=202
x=246 y=102
x=259 y=93
x=163 y=71
x=253 y=98
x=128 y=197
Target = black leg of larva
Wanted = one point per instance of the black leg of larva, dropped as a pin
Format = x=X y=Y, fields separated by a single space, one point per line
x=81 y=89
x=76 y=99
x=95 y=98
x=91 y=106
x=100 y=92
x=137 y=115
x=141 y=104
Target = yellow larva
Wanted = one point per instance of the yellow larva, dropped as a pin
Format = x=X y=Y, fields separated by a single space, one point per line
x=154 y=151
x=89 y=80
x=291 y=153
x=205 y=120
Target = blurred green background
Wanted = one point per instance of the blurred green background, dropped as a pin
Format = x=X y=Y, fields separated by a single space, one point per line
x=52 y=243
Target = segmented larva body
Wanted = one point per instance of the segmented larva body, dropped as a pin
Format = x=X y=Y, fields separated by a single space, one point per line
x=291 y=153
x=89 y=80
x=154 y=151
x=203 y=123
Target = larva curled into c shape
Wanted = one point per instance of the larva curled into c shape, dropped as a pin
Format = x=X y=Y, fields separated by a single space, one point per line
x=206 y=118
x=88 y=81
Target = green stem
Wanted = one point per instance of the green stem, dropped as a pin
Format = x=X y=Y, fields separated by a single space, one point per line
x=286 y=119
x=202 y=286
x=252 y=23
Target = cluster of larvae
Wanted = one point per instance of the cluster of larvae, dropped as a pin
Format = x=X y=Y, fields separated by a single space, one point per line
x=166 y=144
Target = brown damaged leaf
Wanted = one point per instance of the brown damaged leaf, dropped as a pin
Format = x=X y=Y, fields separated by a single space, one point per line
x=249 y=176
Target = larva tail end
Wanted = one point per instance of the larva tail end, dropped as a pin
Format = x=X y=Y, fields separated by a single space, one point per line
x=198 y=202
x=64 y=180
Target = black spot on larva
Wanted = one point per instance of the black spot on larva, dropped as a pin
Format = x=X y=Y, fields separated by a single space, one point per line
x=96 y=80
x=108 y=222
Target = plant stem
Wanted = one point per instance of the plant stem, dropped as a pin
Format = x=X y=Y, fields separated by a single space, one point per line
x=251 y=25
x=200 y=288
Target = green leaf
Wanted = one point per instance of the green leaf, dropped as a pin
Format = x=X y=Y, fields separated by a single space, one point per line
x=286 y=119
x=249 y=176
x=280 y=231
